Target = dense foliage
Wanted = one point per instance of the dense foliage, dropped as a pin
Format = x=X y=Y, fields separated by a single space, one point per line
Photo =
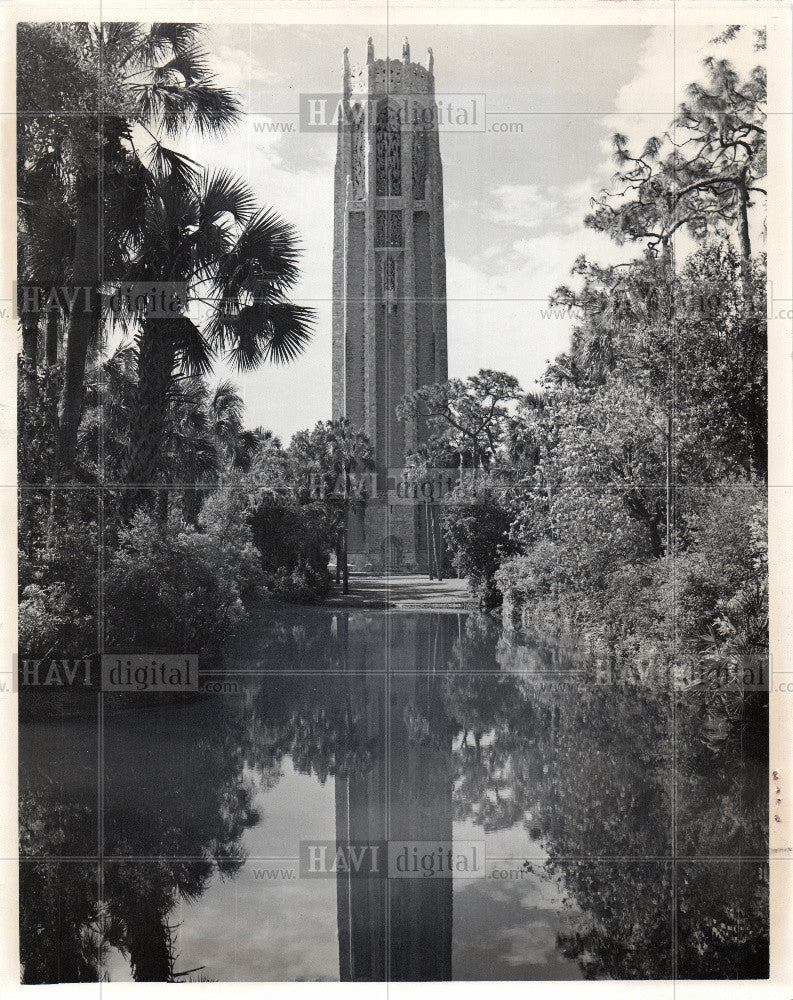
x=128 y=455
x=623 y=505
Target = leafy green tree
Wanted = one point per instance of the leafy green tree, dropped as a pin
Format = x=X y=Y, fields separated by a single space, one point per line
x=469 y=416
x=476 y=523
x=330 y=454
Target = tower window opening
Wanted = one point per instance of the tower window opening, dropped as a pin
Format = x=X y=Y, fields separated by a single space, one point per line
x=388 y=145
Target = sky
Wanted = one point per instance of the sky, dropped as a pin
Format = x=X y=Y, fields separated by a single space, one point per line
x=514 y=199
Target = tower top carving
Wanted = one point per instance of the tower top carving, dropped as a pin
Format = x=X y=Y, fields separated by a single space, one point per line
x=389 y=76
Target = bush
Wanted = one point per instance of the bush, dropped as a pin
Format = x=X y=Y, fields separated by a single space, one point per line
x=38 y=388
x=706 y=603
x=294 y=542
x=301 y=585
x=726 y=552
x=58 y=575
x=171 y=588
x=476 y=529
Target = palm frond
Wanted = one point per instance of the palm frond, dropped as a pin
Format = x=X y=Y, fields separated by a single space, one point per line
x=226 y=404
x=224 y=194
x=194 y=353
x=164 y=38
x=167 y=164
x=190 y=65
x=275 y=332
x=264 y=257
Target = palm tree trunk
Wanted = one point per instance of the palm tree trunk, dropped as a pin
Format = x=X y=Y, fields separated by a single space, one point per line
x=30 y=336
x=30 y=352
x=51 y=339
x=156 y=359
x=83 y=323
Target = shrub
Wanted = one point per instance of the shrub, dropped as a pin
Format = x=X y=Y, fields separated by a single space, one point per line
x=706 y=604
x=58 y=575
x=301 y=585
x=171 y=588
x=294 y=542
x=38 y=388
x=476 y=529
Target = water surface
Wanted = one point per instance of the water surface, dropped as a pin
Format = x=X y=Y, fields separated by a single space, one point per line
x=162 y=842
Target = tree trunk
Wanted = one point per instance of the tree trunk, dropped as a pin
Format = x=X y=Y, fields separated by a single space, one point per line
x=744 y=240
x=51 y=341
x=433 y=541
x=191 y=504
x=83 y=323
x=638 y=512
x=156 y=360
x=669 y=260
x=30 y=336
x=30 y=351
x=441 y=552
x=668 y=483
x=429 y=538
x=345 y=569
x=148 y=941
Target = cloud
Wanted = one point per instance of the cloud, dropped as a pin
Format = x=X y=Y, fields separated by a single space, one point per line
x=533 y=943
x=670 y=61
x=525 y=205
x=538 y=207
x=239 y=69
x=498 y=309
x=499 y=316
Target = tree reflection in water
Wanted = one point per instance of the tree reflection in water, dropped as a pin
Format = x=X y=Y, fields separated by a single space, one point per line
x=482 y=729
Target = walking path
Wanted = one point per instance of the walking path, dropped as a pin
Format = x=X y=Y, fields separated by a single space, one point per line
x=404 y=593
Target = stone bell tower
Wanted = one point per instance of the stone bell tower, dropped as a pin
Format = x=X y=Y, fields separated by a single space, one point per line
x=389 y=284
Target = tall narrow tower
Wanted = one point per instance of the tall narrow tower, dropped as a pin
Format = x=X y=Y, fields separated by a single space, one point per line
x=389 y=282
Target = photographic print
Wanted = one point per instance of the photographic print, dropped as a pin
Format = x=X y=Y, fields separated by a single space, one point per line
x=392 y=394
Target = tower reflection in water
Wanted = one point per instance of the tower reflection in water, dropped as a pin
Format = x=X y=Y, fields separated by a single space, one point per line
x=398 y=929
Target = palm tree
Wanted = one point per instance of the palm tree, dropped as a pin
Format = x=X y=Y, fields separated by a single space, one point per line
x=44 y=241
x=522 y=440
x=206 y=439
x=122 y=75
x=331 y=452
x=104 y=428
x=237 y=444
x=349 y=450
x=203 y=435
x=236 y=265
